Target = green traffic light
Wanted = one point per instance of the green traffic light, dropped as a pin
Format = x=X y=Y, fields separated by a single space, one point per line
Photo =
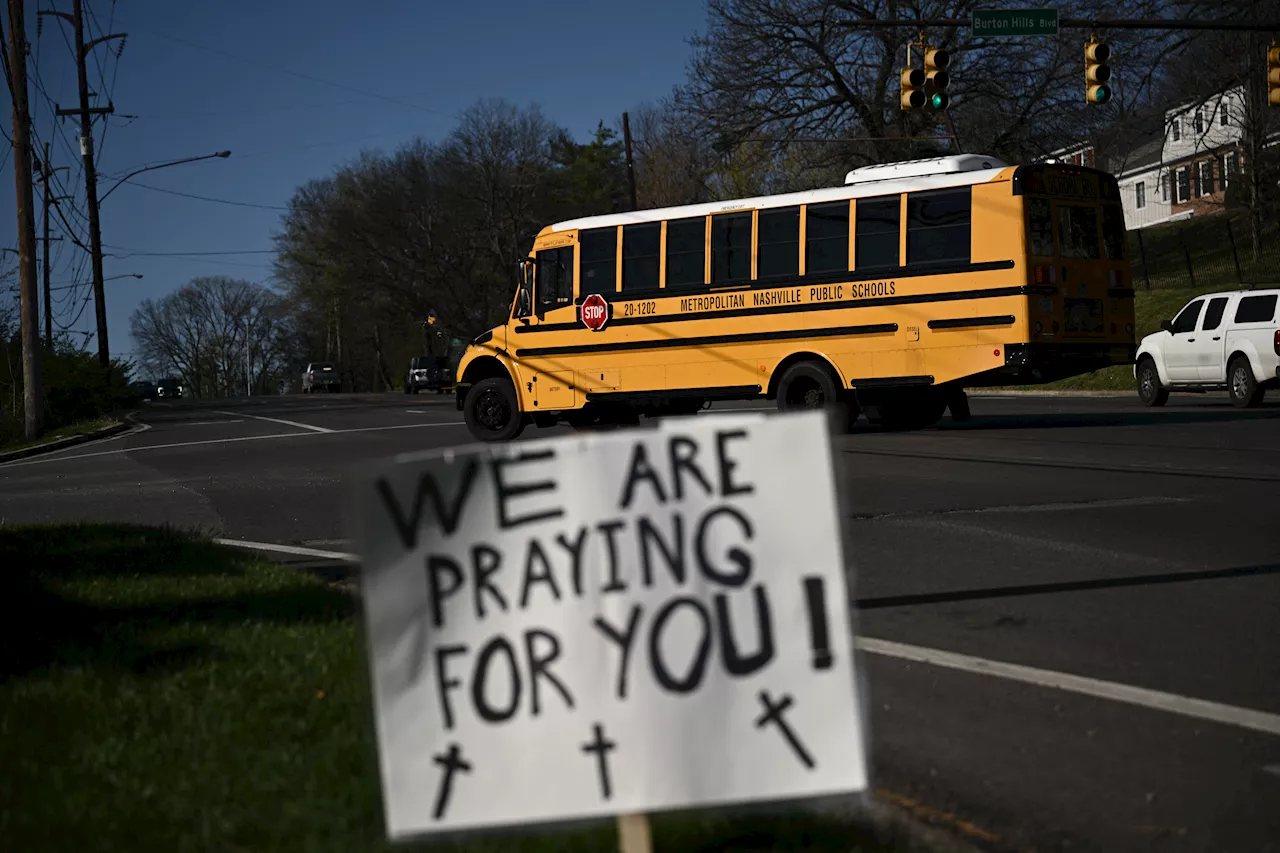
x=939 y=101
x=1101 y=94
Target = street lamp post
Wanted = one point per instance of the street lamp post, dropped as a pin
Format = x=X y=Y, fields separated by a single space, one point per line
x=100 y=309
x=221 y=154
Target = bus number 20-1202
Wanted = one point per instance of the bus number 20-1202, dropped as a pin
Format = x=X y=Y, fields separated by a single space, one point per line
x=639 y=309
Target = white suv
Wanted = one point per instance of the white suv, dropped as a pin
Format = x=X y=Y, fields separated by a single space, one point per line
x=1219 y=340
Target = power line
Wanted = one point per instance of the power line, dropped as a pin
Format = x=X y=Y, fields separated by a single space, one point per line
x=191 y=254
x=206 y=198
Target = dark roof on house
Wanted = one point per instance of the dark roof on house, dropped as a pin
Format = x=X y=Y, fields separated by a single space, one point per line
x=1140 y=157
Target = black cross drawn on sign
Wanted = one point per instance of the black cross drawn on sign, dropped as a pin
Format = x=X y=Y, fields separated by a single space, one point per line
x=452 y=763
x=773 y=714
x=601 y=746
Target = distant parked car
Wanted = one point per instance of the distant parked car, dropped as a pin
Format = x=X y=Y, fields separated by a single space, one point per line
x=1219 y=340
x=145 y=390
x=428 y=371
x=168 y=388
x=320 y=376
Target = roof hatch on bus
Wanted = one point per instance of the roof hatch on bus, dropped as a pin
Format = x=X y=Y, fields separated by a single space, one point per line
x=920 y=168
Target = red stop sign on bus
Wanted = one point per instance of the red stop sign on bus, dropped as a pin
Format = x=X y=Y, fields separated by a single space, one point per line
x=594 y=312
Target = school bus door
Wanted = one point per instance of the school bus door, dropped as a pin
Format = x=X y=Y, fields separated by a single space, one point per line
x=547 y=384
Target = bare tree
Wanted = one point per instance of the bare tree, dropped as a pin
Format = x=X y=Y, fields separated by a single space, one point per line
x=1221 y=77
x=220 y=335
x=788 y=70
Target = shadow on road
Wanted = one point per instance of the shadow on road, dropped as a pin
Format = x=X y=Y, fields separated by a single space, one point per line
x=1061 y=586
x=1055 y=420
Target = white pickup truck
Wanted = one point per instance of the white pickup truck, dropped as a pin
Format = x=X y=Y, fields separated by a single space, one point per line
x=1219 y=340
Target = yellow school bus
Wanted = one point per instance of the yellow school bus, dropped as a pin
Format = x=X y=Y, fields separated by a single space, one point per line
x=886 y=296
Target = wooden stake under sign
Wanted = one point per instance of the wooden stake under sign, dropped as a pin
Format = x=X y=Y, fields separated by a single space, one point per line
x=633 y=834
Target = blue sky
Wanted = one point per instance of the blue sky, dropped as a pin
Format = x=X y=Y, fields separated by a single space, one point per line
x=250 y=77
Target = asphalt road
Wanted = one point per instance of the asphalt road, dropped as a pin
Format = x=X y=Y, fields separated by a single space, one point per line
x=1070 y=536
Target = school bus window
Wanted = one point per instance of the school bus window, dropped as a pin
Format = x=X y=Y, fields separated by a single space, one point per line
x=641 y=253
x=827 y=238
x=877 y=227
x=599 y=260
x=1078 y=231
x=939 y=226
x=1040 y=227
x=686 y=251
x=555 y=277
x=1113 y=235
x=730 y=247
x=778 y=252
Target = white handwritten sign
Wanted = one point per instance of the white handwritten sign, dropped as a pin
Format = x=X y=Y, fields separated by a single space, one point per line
x=620 y=623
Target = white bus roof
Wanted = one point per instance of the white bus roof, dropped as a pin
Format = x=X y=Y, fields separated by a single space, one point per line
x=887 y=179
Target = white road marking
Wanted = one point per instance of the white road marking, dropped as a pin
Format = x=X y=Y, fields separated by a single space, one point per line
x=415 y=411
x=280 y=421
x=1202 y=709
x=1062 y=506
x=1187 y=706
x=289 y=549
x=209 y=423
x=45 y=461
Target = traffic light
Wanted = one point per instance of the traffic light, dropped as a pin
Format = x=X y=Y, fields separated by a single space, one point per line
x=1273 y=75
x=1097 y=73
x=935 y=66
x=912 y=88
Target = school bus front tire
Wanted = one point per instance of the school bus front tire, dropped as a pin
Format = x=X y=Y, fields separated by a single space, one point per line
x=492 y=411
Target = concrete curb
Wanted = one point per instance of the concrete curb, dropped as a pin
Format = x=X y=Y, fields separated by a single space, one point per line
x=69 y=441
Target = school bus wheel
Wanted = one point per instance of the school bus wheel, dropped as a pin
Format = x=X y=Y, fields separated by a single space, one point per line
x=492 y=411
x=807 y=384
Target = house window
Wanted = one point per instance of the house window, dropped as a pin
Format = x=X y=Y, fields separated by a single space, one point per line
x=1140 y=195
x=1164 y=186
x=1223 y=115
x=1175 y=128
x=1230 y=165
x=1184 y=185
x=1205 y=176
x=1198 y=121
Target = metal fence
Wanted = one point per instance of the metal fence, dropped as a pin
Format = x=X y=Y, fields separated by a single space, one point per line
x=1205 y=253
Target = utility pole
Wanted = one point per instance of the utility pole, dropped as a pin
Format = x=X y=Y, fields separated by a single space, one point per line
x=32 y=392
x=86 y=114
x=631 y=166
x=48 y=171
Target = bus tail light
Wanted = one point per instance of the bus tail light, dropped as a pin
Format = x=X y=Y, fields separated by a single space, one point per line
x=1113 y=328
x=1275 y=342
x=1055 y=327
x=1046 y=274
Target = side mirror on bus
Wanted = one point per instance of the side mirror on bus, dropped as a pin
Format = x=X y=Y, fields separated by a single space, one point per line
x=522 y=301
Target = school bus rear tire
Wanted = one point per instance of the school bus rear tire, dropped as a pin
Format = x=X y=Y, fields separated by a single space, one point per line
x=806 y=385
x=492 y=411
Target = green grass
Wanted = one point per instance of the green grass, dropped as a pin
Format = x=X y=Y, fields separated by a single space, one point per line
x=77 y=428
x=1209 y=241
x=161 y=693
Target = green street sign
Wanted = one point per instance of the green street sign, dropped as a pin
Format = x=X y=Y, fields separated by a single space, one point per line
x=1015 y=22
